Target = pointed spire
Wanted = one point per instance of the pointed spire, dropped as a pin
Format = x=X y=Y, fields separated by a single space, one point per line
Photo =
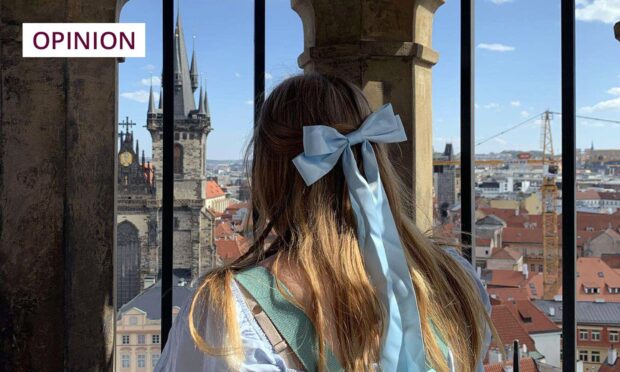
x=193 y=70
x=161 y=98
x=201 y=105
x=151 y=100
x=137 y=148
x=143 y=162
x=184 y=101
x=206 y=101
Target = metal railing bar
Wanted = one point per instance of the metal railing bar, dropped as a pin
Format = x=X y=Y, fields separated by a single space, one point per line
x=468 y=232
x=167 y=170
x=569 y=345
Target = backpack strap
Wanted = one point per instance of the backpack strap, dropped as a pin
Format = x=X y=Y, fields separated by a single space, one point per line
x=275 y=338
x=291 y=322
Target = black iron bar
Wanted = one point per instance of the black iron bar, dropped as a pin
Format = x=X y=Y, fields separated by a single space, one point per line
x=259 y=72
x=167 y=170
x=569 y=345
x=468 y=233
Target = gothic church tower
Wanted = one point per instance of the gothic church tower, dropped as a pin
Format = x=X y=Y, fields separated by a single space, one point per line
x=193 y=240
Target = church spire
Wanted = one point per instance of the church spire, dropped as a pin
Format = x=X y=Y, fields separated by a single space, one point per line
x=193 y=71
x=161 y=99
x=206 y=101
x=151 y=101
x=201 y=106
x=183 y=96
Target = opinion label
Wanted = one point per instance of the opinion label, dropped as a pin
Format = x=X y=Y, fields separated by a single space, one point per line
x=83 y=40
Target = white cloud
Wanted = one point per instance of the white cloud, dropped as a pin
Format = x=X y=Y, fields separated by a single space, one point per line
x=500 y=140
x=141 y=96
x=237 y=75
x=147 y=81
x=611 y=104
x=525 y=114
x=150 y=67
x=515 y=103
x=249 y=102
x=268 y=76
x=496 y=47
x=492 y=106
x=606 y=11
x=615 y=91
x=500 y=2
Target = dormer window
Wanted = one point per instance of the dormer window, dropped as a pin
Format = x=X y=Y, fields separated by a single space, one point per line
x=592 y=290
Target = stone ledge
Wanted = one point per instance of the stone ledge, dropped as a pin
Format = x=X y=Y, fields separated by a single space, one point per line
x=370 y=49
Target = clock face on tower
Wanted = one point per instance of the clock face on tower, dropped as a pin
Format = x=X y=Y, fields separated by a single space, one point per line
x=125 y=158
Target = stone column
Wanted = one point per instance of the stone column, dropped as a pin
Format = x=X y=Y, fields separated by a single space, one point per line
x=383 y=46
x=57 y=186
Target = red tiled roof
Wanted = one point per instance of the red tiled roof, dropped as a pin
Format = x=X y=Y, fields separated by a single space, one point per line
x=506 y=293
x=612 y=260
x=213 y=190
x=587 y=195
x=231 y=249
x=223 y=230
x=531 y=317
x=506 y=278
x=522 y=235
x=610 y=195
x=595 y=273
x=506 y=254
x=525 y=365
x=509 y=328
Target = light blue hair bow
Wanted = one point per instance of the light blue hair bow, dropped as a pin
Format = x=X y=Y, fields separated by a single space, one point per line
x=403 y=348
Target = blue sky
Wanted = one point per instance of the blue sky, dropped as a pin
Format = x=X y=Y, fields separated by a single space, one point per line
x=517 y=68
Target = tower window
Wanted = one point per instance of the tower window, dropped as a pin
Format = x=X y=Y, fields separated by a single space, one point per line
x=178 y=159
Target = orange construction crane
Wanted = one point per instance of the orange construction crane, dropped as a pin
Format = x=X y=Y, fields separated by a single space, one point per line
x=549 y=190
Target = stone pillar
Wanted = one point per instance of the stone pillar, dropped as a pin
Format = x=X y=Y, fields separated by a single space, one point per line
x=57 y=186
x=383 y=46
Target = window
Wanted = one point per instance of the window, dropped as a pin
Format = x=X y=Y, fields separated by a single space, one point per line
x=125 y=339
x=583 y=334
x=596 y=356
x=613 y=336
x=178 y=159
x=596 y=335
x=125 y=361
x=133 y=320
x=141 y=361
x=583 y=355
x=154 y=359
x=155 y=339
x=141 y=339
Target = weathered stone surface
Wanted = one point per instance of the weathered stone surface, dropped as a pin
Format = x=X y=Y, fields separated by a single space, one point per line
x=385 y=48
x=57 y=141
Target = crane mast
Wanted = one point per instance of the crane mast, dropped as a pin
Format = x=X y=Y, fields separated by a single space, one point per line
x=549 y=191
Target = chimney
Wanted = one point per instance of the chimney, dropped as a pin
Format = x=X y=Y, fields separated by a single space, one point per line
x=579 y=366
x=495 y=356
x=612 y=355
x=526 y=270
x=552 y=311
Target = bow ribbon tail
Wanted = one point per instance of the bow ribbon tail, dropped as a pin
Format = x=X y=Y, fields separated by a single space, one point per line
x=403 y=348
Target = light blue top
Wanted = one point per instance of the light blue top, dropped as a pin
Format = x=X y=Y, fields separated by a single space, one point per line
x=181 y=354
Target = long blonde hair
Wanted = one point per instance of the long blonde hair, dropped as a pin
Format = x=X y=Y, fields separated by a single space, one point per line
x=314 y=228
